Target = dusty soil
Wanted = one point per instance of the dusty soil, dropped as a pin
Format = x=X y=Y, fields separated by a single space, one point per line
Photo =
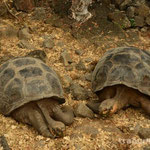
x=94 y=37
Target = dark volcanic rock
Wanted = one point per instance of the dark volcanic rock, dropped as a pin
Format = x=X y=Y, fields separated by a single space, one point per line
x=144 y=133
x=81 y=110
x=80 y=66
x=120 y=18
x=24 y=5
x=48 y=43
x=78 y=92
x=65 y=58
x=24 y=34
x=25 y=44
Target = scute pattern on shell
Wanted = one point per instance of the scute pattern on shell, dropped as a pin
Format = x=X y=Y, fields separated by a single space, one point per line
x=124 y=65
x=26 y=79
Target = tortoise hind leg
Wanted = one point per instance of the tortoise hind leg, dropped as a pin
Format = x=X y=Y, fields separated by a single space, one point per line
x=145 y=104
x=64 y=114
x=30 y=114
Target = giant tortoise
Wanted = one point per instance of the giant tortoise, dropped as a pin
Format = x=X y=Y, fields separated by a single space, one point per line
x=31 y=93
x=121 y=78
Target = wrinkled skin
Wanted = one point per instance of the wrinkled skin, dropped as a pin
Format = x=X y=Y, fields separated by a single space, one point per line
x=80 y=11
x=46 y=116
x=114 y=98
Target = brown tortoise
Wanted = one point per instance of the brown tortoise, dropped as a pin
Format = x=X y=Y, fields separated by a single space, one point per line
x=31 y=93
x=121 y=78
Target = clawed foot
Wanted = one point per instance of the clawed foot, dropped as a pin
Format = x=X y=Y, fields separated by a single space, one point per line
x=104 y=108
x=108 y=107
x=57 y=129
x=47 y=133
x=94 y=106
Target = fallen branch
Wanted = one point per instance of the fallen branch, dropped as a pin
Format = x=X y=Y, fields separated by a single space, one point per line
x=8 y=9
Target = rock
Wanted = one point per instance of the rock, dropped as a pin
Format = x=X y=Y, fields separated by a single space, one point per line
x=40 y=54
x=48 y=21
x=144 y=133
x=112 y=129
x=125 y=4
x=57 y=23
x=130 y=11
x=67 y=81
x=65 y=58
x=75 y=76
x=24 y=34
x=80 y=66
x=148 y=20
x=118 y=2
x=81 y=110
x=60 y=44
x=24 y=5
x=78 y=92
x=137 y=128
x=39 y=13
x=89 y=59
x=90 y=68
x=51 y=36
x=48 y=43
x=88 y=77
x=144 y=29
x=25 y=44
x=142 y=10
x=107 y=2
x=7 y=30
x=112 y=7
x=79 y=52
x=120 y=18
x=51 y=20
x=139 y=2
x=139 y=21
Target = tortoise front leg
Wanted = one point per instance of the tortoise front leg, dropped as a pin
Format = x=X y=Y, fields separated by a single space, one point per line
x=119 y=101
x=106 y=93
x=31 y=114
x=37 y=121
x=94 y=105
x=56 y=128
x=145 y=104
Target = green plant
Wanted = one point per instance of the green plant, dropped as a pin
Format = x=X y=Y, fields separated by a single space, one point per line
x=132 y=21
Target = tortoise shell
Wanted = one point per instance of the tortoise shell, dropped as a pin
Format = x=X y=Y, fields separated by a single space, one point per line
x=26 y=79
x=129 y=66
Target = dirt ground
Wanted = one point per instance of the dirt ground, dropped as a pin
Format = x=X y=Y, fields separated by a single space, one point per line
x=94 y=37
